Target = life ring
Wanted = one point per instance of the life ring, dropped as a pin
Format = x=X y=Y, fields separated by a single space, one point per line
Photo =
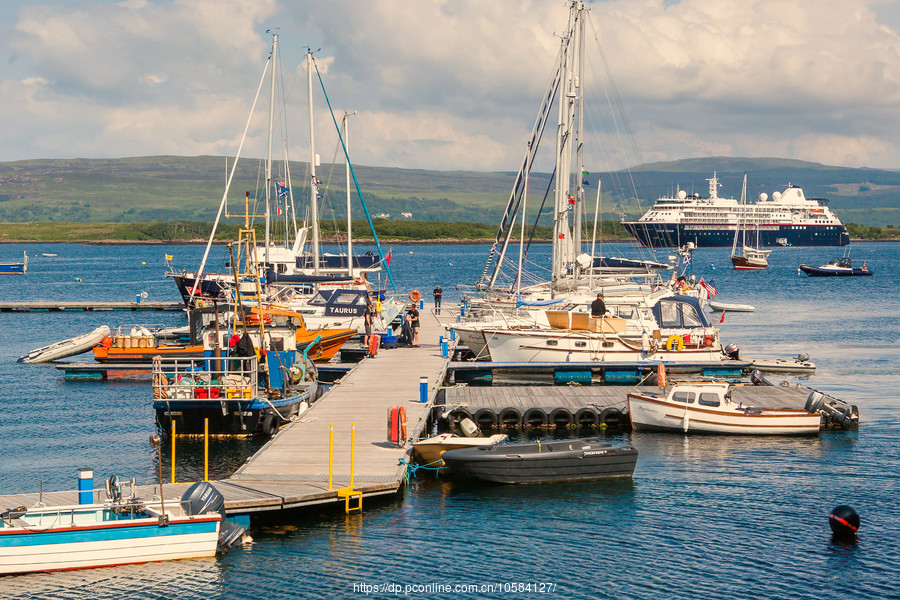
x=708 y=340
x=415 y=296
x=199 y=303
x=402 y=417
x=675 y=340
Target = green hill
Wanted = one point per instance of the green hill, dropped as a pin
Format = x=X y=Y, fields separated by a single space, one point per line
x=168 y=188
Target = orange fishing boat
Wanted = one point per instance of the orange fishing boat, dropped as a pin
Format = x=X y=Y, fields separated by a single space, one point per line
x=140 y=346
x=331 y=339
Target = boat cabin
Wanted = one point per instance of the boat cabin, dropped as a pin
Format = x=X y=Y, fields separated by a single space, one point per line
x=679 y=312
x=710 y=395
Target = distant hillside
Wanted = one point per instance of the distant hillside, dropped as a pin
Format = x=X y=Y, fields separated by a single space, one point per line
x=167 y=188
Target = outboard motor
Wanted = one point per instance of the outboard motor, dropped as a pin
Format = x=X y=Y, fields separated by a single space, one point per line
x=757 y=378
x=836 y=411
x=469 y=428
x=202 y=498
x=732 y=351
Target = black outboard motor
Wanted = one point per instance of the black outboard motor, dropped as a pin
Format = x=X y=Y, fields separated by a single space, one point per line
x=202 y=498
x=836 y=411
x=757 y=378
x=732 y=351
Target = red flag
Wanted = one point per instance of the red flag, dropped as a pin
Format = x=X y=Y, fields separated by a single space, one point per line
x=722 y=319
x=387 y=259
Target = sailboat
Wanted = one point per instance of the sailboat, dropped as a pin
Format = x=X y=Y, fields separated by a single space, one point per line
x=744 y=257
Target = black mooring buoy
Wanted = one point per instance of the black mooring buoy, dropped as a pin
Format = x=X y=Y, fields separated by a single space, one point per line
x=844 y=521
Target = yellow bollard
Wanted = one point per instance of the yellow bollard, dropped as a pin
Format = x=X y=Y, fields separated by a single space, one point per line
x=331 y=457
x=206 y=449
x=172 y=439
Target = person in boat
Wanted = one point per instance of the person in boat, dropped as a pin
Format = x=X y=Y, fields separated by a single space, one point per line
x=598 y=307
x=438 y=294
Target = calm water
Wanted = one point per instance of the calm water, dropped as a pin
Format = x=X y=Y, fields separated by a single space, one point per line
x=703 y=517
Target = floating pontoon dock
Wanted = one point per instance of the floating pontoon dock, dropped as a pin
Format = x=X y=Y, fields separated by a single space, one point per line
x=65 y=305
x=292 y=469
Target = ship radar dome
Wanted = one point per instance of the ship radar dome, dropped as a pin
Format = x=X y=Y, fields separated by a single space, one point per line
x=776 y=195
x=682 y=194
x=763 y=197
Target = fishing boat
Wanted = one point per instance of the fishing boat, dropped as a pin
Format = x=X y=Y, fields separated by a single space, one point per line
x=543 y=462
x=708 y=407
x=15 y=268
x=138 y=346
x=431 y=449
x=744 y=256
x=840 y=267
x=119 y=531
x=70 y=347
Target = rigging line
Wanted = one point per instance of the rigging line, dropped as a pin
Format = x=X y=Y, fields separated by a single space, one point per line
x=387 y=267
x=530 y=150
x=212 y=234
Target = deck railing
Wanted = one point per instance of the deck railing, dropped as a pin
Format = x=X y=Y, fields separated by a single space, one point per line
x=212 y=379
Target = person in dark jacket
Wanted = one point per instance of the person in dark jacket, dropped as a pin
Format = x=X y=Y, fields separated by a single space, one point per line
x=598 y=306
x=438 y=293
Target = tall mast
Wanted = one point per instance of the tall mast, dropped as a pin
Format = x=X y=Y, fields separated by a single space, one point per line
x=349 y=212
x=578 y=47
x=269 y=151
x=313 y=185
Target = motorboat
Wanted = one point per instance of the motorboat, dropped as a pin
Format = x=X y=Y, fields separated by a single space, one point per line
x=707 y=407
x=431 y=449
x=543 y=462
x=15 y=268
x=70 y=347
x=840 y=267
x=119 y=531
x=138 y=346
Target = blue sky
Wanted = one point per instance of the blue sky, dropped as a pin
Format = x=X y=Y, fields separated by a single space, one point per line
x=451 y=84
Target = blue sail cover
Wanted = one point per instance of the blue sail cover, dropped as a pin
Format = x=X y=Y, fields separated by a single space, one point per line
x=521 y=302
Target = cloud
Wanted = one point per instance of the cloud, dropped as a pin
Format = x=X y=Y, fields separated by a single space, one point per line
x=456 y=84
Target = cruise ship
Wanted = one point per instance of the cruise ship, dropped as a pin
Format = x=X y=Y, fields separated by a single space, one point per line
x=787 y=218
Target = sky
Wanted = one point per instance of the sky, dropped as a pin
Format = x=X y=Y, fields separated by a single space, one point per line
x=451 y=84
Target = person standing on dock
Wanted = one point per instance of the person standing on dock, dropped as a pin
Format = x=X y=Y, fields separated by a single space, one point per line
x=368 y=317
x=438 y=293
x=412 y=317
x=598 y=307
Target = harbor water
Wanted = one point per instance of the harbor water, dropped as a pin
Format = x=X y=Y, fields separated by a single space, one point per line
x=727 y=517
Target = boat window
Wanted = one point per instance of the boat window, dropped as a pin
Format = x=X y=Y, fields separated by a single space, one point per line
x=606 y=344
x=669 y=314
x=580 y=344
x=691 y=318
x=708 y=399
x=687 y=397
x=552 y=342
x=625 y=312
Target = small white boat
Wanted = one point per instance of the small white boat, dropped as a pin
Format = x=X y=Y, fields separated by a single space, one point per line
x=49 y=254
x=798 y=364
x=431 y=449
x=123 y=530
x=64 y=348
x=726 y=306
x=707 y=407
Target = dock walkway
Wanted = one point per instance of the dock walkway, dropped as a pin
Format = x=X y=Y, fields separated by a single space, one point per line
x=291 y=470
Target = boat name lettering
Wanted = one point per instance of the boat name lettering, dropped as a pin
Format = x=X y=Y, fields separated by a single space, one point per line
x=172 y=413
x=242 y=413
x=595 y=452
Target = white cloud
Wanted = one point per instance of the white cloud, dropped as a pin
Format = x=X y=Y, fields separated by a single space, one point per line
x=454 y=84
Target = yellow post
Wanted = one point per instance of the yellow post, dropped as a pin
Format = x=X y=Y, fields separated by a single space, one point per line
x=352 y=451
x=206 y=449
x=331 y=457
x=348 y=492
x=172 y=438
